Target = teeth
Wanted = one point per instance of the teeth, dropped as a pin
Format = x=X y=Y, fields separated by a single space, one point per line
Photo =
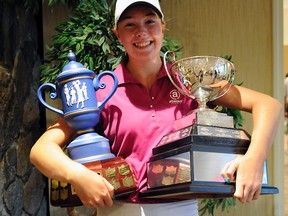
x=143 y=44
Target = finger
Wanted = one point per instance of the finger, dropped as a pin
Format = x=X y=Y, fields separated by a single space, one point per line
x=89 y=205
x=231 y=172
x=100 y=203
x=239 y=192
x=94 y=204
x=257 y=194
x=108 y=200
x=251 y=193
x=110 y=188
x=224 y=171
x=250 y=196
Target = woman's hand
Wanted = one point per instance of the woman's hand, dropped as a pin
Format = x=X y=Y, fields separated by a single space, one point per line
x=92 y=189
x=247 y=172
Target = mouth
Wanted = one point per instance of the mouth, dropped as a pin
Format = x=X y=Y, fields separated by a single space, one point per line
x=143 y=44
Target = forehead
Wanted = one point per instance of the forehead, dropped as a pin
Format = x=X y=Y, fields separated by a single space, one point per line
x=138 y=9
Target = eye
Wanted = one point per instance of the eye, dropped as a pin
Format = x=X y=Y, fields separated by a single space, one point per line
x=129 y=24
x=151 y=21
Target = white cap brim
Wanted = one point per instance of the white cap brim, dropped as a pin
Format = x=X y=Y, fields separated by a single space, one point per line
x=122 y=5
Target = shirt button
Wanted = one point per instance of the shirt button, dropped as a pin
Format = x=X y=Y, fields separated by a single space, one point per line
x=153 y=115
x=152 y=98
x=151 y=106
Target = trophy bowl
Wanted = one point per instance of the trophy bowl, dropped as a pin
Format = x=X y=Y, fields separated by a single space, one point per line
x=204 y=78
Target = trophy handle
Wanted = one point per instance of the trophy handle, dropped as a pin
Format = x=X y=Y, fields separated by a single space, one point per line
x=171 y=79
x=97 y=85
x=53 y=95
x=225 y=89
x=165 y=64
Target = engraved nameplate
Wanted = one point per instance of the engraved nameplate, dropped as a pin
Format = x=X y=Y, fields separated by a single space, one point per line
x=177 y=135
x=221 y=132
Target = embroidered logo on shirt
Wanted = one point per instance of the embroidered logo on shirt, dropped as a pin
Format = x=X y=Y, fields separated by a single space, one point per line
x=176 y=97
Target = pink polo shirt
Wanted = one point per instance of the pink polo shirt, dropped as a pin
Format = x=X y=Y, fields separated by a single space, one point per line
x=134 y=119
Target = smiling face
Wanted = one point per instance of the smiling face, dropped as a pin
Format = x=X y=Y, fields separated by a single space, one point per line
x=141 y=31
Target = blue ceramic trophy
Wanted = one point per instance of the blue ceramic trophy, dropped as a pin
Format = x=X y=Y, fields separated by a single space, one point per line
x=76 y=87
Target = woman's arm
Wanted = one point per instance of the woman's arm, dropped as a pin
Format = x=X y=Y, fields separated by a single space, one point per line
x=48 y=157
x=266 y=114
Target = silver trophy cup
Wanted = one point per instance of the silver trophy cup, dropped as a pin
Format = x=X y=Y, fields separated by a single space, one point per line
x=187 y=162
x=204 y=78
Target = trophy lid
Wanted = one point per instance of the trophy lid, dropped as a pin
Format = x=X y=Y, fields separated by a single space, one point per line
x=73 y=68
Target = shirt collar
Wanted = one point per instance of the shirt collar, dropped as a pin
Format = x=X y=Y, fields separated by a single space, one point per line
x=125 y=77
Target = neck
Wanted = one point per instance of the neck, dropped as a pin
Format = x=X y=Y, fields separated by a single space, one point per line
x=145 y=72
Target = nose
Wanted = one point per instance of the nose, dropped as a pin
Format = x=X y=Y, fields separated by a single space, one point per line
x=141 y=32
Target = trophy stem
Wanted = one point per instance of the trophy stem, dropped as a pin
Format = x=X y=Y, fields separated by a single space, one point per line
x=203 y=104
x=88 y=147
x=79 y=132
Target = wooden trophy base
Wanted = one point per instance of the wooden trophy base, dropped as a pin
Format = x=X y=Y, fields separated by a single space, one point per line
x=116 y=170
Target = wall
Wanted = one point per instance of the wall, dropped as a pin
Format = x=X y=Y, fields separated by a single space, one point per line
x=285 y=60
x=241 y=28
x=22 y=187
x=285 y=29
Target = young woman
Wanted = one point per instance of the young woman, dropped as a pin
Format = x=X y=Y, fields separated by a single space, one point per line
x=141 y=112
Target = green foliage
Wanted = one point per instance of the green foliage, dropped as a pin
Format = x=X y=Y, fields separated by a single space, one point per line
x=210 y=205
x=70 y=3
x=171 y=45
x=88 y=33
